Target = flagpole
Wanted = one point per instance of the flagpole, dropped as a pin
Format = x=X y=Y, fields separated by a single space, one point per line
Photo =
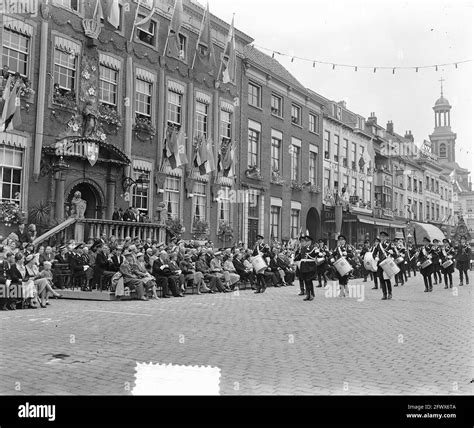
x=169 y=28
x=135 y=20
x=199 y=38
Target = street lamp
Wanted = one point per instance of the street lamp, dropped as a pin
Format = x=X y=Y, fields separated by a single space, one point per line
x=128 y=182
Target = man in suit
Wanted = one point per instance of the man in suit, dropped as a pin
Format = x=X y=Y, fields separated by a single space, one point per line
x=102 y=265
x=308 y=270
x=116 y=260
x=117 y=214
x=128 y=215
x=5 y=265
x=245 y=274
x=202 y=266
x=77 y=264
x=47 y=256
x=22 y=233
x=164 y=276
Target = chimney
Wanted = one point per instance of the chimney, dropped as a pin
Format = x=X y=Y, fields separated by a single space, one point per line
x=409 y=136
x=372 y=119
x=390 y=127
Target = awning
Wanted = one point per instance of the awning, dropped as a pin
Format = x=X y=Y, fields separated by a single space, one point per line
x=398 y=225
x=381 y=223
x=365 y=219
x=427 y=230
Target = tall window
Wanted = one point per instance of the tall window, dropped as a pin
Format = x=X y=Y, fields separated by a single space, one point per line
x=277 y=105
x=224 y=204
x=254 y=144
x=361 y=192
x=255 y=95
x=146 y=32
x=199 y=201
x=314 y=123
x=276 y=150
x=295 y=223
x=143 y=98
x=421 y=211
x=409 y=183
x=275 y=222
x=354 y=155
x=175 y=108
x=442 y=150
x=182 y=46
x=313 y=167
x=368 y=197
x=141 y=192
x=345 y=151
x=108 y=85
x=295 y=162
x=296 y=114
x=171 y=196
x=226 y=124
x=345 y=182
x=65 y=69
x=327 y=140
x=336 y=147
x=11 y=166
x=353 y=186
x=16 y=51
x=201 y=125
x=327 y=178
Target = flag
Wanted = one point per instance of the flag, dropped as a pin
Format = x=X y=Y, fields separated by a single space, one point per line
x=11 y=110
x=180 y=153
x=227 y=161
x=200 y=154
x=173 y=47
x=143 y=21
x=5 y=98
x=171 y=146
x=228 y=58
x=204 y=57
x=112 y=12
x=210 y=165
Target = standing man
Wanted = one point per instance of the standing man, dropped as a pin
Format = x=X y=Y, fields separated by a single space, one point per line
x=381 y=251
x=424 y=257
x=365 y=249
x=307 y=268
x=261 y=249
x=463 y=258
x=436 y=252
x=322 y=269
x=300 y=252
x=342 y=251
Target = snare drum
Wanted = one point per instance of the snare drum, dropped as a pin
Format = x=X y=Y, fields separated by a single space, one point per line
x=320 y=261
x=369 y=262
x=389 y=267
x=447 y=263
x=399 y=260
x=258 y=264
x=425 y=264
x=342 y=266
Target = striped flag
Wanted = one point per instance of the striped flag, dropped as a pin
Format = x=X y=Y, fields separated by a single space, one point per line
x=173 y=47
x=204 y=57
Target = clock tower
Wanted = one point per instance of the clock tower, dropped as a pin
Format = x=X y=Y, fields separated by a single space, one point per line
x=443 y=139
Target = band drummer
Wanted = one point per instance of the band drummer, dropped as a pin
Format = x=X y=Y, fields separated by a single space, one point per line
x=343 y=251
x=425 y=263
x=447 y=254
x=383 y=250
x=263 y=250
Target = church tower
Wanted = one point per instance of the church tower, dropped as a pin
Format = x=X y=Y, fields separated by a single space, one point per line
x=443 y=140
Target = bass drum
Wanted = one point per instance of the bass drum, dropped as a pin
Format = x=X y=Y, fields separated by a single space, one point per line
x=369 y=262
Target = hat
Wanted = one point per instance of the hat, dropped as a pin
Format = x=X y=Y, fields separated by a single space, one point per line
x=447 y=240
x=435 y=241
x=366 y=241
x=259 y=237
x=463 y=237
x=97 y=244
x=140 y=255
x=132 y=247
x=341 y=237
x=78 y=247
x=398 y=235
x=217 y=253
x=29 y=257
x=309 y=238
x=127 y=253
x=377 y=239
x=301 y=238
x=426 y=239
x=383 y=233
x=119 y=247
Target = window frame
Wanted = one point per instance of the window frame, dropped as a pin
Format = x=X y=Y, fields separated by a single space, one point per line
x=117 y=85
x=150 y=95
x=316 y=123
x=250 y=95
x=134 y=196
x=204 y=121
x=275 y=210
x=299 y=109
x=27 y=53
x=146 y=32
x=279 y=112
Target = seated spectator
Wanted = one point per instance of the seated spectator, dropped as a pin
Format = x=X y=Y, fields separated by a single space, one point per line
x=20 y=276
x=229 y=269
x=101 y=269
x=142 y=271
x=190 y=273
x=164 y=276
x=46 y=256
x=130 y=279
x=116 y=259
x=43 y=281
x=245 y=271
x=5 y=264
x=279 y=265
x=177 y=273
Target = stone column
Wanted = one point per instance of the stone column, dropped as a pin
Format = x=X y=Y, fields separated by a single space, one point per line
x=59 y=210
x=110 y=196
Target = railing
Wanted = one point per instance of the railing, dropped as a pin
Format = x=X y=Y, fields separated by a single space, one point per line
x=60 y=233
x=94 y=228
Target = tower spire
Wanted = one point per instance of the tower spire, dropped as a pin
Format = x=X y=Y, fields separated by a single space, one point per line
x=441 y=80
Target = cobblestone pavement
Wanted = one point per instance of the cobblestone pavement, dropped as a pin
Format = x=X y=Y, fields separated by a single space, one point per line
x=271 y=343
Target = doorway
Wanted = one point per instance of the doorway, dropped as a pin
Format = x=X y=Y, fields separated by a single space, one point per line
x=92 y=198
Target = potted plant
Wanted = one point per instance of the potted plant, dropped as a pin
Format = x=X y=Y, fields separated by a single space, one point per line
x=144 y=125
x=174 y=227
x=314 y=188
x=296 y=185
x=200 y=228
x=253 y=172
x=109 y=116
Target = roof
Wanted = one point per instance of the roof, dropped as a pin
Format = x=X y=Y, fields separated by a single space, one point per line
x=441 y=101
x=272 y=66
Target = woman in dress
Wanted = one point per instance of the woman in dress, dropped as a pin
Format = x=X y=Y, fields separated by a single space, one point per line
x=19 y=275
x=43 y=280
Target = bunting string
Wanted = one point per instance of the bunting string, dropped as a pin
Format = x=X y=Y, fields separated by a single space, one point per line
x=357 y=67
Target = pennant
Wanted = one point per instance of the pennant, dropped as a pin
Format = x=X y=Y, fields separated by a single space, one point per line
x=204 y=57
x=202 y=157
x=5 y=97
x=229 y=59
x=112 y=12
x=173 y=47
x=210 y=165
x=180 y=153
x=171 y=146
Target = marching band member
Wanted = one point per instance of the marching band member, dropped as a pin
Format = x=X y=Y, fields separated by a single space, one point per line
x=342 y=251
x=375 y=275
x=436 y=251
x=400 y=277
x=306 y=272
x=412 y=255
x=322 y=269
x=463 y=258
x=447 y=253
x=425 y=254
x=383 y=250
x=365 y=249
x=299 y=254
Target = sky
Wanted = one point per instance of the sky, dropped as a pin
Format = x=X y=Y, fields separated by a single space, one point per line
x=373 y=33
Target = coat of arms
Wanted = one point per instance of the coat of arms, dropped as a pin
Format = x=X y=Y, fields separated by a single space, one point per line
x=92 y=153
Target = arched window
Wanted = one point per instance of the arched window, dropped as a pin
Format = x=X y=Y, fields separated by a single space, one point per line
x=442 y=150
